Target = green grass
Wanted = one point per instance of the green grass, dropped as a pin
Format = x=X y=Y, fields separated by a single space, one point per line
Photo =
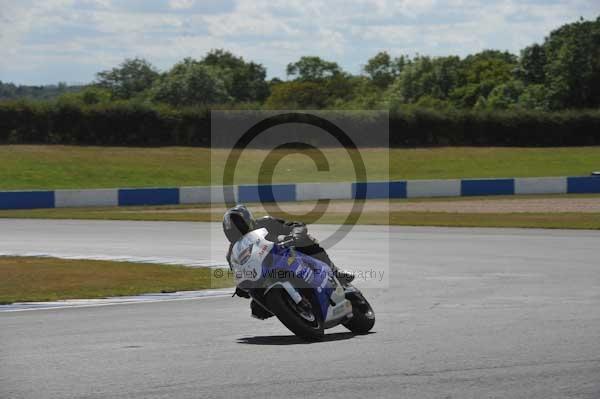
x=400 y=218
x=539 y=220
x=55 y=167
x=49 y=279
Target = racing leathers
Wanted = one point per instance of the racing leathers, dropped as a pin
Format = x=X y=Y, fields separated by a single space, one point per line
x=279 y=230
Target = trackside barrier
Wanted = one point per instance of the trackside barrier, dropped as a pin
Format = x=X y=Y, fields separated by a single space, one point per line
x=149 y=196
x=298 y=192
x=26 y=199
x=267 y=193
x=487 y=187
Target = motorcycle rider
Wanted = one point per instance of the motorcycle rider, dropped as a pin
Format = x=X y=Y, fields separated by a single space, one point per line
x=238 y=221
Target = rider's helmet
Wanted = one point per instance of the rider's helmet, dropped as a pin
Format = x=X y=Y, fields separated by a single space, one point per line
x=237 y=222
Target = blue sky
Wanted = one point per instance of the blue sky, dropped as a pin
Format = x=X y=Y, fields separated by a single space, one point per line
x=43 y=42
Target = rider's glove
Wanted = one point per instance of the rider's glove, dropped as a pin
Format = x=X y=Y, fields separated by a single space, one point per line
x=286 y=241
x=299 y=233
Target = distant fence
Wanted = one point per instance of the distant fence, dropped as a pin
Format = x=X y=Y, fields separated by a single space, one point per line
x=298 y=192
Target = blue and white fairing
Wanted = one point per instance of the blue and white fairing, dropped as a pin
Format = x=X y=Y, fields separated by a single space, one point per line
x=260 y=263
x=248 y=256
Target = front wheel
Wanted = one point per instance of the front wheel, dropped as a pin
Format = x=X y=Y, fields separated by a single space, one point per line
x=300 y=319
x=363 y=316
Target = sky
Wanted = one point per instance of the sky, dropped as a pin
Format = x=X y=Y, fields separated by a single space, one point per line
x=47 y=41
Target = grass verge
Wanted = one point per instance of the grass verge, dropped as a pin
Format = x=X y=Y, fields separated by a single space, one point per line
x=29 y=279
x=56 y=167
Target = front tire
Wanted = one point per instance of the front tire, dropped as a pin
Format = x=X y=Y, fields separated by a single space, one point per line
x=363 y=316
x=306 y=324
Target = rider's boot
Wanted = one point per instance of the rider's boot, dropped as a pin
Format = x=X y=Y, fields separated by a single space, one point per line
x=258 y=312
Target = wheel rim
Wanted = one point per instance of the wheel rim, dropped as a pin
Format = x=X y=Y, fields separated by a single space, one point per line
x=306 y=315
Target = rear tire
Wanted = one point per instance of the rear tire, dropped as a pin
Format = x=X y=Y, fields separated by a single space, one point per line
x=363 y=316
x=279 y=302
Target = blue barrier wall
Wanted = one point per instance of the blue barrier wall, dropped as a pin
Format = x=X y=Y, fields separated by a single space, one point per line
x=583 y=185
x=149 y=196
x=487 y=187
x=381 y=190
x=267 y=193
x=26 y=199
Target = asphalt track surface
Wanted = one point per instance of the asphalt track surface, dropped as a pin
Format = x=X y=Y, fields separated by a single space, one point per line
x=466 y=313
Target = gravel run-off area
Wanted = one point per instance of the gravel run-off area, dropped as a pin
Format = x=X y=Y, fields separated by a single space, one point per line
x=488 y=205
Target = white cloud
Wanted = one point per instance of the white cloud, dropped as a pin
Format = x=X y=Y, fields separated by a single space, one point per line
x=181 y=4
x=37 y=36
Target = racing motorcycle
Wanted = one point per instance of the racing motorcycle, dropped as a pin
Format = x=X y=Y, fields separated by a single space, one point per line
x=301 y=291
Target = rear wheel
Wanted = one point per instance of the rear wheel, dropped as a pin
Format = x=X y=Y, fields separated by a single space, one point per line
x=363 y=316
x=301 y=319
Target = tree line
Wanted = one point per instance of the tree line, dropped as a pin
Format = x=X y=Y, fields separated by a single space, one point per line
x=563 y=72
x=547 y=95
x=11 y=91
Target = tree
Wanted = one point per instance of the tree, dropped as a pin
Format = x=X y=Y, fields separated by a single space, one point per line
x=426 y=76
x=433 y=103
x=482 y=73
x=505 y=95
x=313 y=69
x=532 y=64
x=190 y=82
x=94 y=95
x=90 y=95
x=8 y=90
x=245 y=81
x=490 y=65
x=572 y=71
x=131 y=77
x=361 y=93
x=47 y=92
x=383 y=70
x=294 y=95
x=535 y=96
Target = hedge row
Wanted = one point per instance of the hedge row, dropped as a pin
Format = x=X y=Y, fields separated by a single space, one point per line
x=505 y=128
x=116 y=125
x=130 y=124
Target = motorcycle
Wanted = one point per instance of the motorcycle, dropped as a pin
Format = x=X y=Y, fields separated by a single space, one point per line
x=301 y=291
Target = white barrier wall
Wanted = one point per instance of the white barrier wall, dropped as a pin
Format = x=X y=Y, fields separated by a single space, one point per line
x=194 y=195
x=83 y=198
x=433 y=188
x=204 y=195
x=541 y=185
x=313 y=191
